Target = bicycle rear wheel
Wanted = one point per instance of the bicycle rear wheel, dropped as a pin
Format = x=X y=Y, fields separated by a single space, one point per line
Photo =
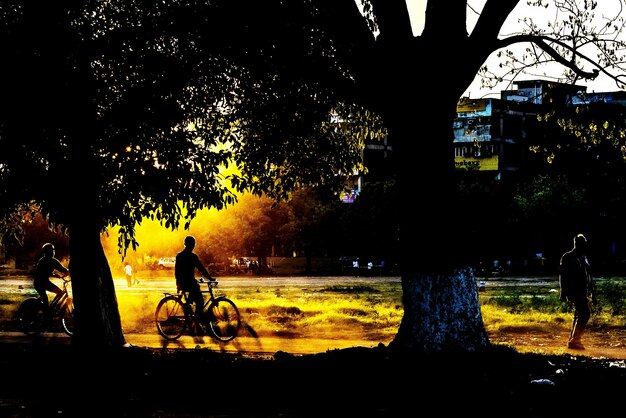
x=31 y=314
x=170 y=318
x=67 y=319
x=223 y=319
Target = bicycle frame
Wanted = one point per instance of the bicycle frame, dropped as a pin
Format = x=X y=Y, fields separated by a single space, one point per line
x=184 y=296
x=60 y=301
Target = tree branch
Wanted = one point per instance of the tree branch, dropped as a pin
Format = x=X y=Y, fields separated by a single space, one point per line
x=542 y=42
x=393 y=20
x=492 y=17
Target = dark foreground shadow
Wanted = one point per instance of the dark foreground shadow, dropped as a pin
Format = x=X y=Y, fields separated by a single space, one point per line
x=355 y=382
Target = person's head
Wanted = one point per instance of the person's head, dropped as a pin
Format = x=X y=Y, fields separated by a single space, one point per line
x=580 y=242
x=48 y=249
x=190 y=242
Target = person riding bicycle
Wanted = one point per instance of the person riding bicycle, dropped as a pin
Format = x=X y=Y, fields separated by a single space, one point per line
x=48 y=266
x=184 y=270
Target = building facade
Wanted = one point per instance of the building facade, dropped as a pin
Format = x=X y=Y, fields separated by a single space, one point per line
x=492 y=135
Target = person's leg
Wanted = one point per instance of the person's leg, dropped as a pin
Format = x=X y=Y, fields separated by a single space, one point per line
x=51 y=287
x=582 y=313
x=198 y=299
x=41 y=289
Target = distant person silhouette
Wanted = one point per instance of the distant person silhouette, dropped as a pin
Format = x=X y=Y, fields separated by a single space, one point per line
x=128 y=272
x=577 y=287
x=48 y=266
x=184 y=270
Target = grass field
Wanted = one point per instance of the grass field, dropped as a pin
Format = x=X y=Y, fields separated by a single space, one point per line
x=371 y=312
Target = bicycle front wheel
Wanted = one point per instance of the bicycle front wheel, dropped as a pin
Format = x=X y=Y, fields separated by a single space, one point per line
x=170 y=318
x=67 y=320
x=31 y=314
x=223 y=319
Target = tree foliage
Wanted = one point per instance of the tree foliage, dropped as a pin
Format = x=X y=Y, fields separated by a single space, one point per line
x=135 y=107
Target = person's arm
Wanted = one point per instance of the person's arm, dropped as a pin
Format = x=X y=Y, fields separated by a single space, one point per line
x=564 y=275
x=592 y=287
x=203 y=270
x=60 y=268
x=594 y=296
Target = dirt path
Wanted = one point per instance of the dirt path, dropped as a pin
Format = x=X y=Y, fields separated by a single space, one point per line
x=599 y=343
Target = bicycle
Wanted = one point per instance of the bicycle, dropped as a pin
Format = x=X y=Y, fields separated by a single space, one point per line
x=34 y=320
x=174 y=314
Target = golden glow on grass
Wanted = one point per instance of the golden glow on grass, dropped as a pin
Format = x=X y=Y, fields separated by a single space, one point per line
x=319 y=313
x=288 y=312
x=498 y=319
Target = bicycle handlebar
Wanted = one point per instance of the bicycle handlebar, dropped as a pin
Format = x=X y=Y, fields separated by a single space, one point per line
x=209 y=283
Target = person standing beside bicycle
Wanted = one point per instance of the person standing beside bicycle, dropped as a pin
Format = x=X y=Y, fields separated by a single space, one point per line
x=184 y=270
x=48 y=266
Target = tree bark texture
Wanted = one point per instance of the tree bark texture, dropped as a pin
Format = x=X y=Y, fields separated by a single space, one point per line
x=441 y=313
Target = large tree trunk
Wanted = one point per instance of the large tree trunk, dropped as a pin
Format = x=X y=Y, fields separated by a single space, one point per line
x=97 y=318
x=440 y=296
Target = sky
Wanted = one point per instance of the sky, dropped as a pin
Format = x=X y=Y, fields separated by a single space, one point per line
x=609 y=7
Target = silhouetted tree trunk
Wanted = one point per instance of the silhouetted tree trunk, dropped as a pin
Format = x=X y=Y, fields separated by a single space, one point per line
x=440 y=297
x=98 y=323
x=418 y=99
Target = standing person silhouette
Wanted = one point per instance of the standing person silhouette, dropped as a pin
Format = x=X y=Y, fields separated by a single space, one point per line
x=577 y=287
x=48 y=266
x=128 y=272
x=184 y=269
